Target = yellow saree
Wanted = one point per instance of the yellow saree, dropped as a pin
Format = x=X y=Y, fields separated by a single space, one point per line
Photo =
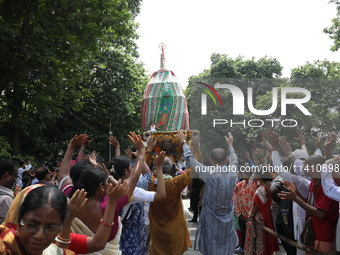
x=8 y=241
x=9 y=244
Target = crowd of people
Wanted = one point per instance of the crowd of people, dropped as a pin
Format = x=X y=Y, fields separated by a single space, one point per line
x=288 y=196
x=124 y=206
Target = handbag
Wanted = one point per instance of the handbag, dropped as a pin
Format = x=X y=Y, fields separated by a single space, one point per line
x=307 y=234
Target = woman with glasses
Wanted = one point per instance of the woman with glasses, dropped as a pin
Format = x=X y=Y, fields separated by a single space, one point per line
x=95 y=182
x=33 y=222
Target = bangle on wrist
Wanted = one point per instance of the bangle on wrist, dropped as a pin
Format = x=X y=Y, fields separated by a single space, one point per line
x=302 y=143
x=140 y=157
x=290 y=155
x=106 y=224
x=183 y=142
x=61 y=241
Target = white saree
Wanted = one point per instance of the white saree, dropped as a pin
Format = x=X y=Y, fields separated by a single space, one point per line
x=53 y=249
x=111 y=248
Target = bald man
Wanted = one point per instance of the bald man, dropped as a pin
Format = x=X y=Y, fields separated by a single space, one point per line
x=215 y=233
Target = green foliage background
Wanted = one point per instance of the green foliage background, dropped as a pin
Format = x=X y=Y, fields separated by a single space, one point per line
x=70 y=67
x=67 y=67
x=262 y=76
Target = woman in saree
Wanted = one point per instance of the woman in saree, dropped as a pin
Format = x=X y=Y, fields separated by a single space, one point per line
x=133 y=238
x=34 y=221
x=85 y=244
x=95 y=181
x=75 y=242
x=261 y=242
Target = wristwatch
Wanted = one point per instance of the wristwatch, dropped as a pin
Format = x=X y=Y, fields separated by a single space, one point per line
x=183 y=142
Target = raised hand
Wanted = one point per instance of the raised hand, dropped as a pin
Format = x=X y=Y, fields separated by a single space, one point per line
x=318 y=142
x=102 y=167
x=288 y=195
x=31 y=174
x=258 y=152
x=120 y=190
x=93 y=160
x=137 y=141
x=265 y=137
x=285 y=146
x=150 y=143
x=330 y=140
x=290 y=186
x=159 y=159
x=195 y=142
x=291 y=193
x=128 y=152
x=301 y=137
x=76 y=203
x=182 y=137
x=266 y=134
x=275 y=141
x=229 y=139
x=113 y=141
x=78 y=140
x=87 y=141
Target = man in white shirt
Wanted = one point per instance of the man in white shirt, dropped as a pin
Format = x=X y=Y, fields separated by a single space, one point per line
x=8 y=174
x=22 y=168
x=181 y=163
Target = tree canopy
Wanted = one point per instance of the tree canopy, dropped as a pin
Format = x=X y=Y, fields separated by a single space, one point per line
x=334 y=30
x=65 y=68
x=263 y=77
x=70 y=67
x=226 y=70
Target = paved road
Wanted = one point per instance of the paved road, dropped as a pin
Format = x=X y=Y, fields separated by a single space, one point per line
x=192 y=231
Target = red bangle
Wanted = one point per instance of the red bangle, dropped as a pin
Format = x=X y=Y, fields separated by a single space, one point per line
x=106 y=224
x=63 y=239
x=302 y=143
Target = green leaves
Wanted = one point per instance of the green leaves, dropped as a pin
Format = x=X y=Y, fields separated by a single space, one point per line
x=334 y=30
x=62 y=64
x=320 y=78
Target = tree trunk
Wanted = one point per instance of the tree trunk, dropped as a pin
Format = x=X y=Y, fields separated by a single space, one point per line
x=17 y=99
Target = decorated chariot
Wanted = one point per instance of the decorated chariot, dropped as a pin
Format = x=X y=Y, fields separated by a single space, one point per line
x=164 y=111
